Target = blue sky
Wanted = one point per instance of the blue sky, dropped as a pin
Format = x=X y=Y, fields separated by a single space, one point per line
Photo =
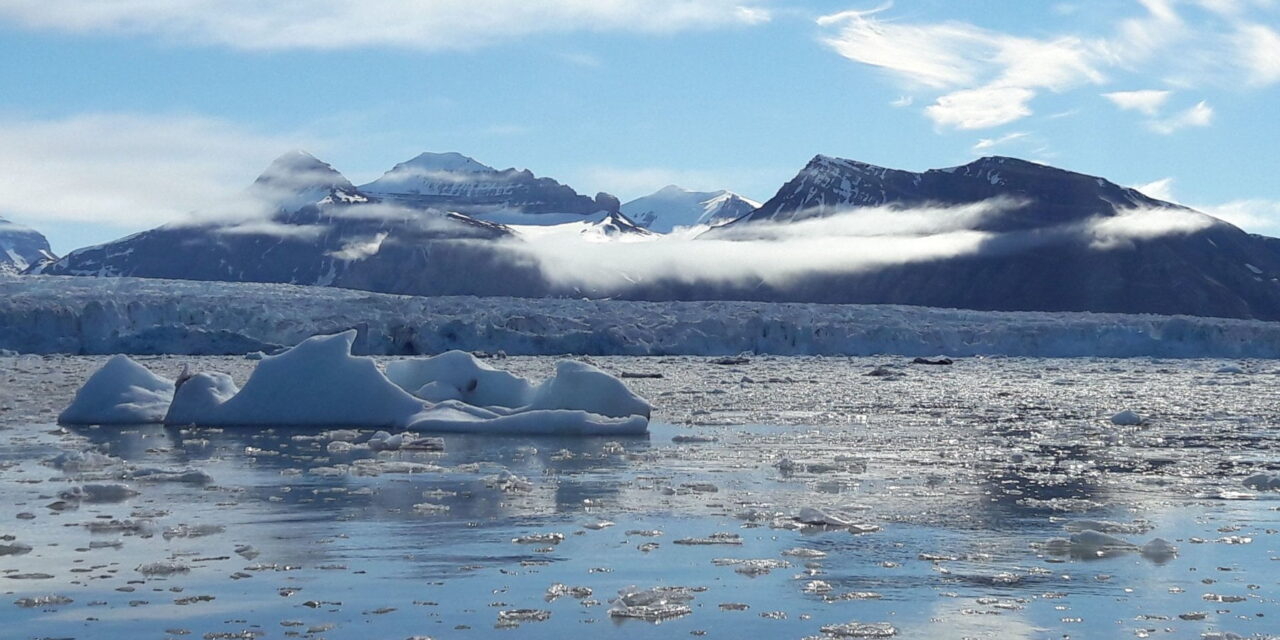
x=116 y=117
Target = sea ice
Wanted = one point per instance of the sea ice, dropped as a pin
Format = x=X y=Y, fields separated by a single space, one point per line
x=121 y=392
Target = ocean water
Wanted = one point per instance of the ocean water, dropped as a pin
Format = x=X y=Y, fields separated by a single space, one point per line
x=953 y=479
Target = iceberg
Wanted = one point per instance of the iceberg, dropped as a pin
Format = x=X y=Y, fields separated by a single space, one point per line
x=319 y=383
x=458 y=375
x=121 y=392
x=315 y=383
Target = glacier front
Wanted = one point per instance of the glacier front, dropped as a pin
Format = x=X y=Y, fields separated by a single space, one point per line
x=52 y=314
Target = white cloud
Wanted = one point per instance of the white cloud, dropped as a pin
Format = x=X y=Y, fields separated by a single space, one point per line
x=969 y=68
x=1255 y=215
x=1259 y=48
x=856 y=240
x=127 y=171
x=981 y=108
x=1161 y=189
x=337 y=24
x=1146 y=101
x=985 y=144
x=1201 y=115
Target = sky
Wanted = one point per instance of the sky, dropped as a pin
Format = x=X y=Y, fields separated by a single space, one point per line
x=119 y=116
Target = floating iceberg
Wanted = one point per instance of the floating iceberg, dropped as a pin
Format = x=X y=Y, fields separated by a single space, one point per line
x=319 y=383
x=121 y=392
x=458 y=375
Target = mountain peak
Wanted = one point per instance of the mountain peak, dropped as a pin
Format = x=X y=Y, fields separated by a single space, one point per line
x=298 y=170
x=447 y=162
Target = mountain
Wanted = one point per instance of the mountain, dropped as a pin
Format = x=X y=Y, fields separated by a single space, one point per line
x=302 y=222
x=1051 y=240
x=458 y=183
x=672 y=207
x=21 y=247
x=830 y=185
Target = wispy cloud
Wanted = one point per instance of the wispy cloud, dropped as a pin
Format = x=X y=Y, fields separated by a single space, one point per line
x=980 y=78
x=1147 y=101
x=339 y=24
x=1255 y=215
x=128 y=171
x=1200 y=115
x=987 y=144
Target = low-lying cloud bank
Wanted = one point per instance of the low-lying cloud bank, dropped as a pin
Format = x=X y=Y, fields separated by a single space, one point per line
x=854 y=241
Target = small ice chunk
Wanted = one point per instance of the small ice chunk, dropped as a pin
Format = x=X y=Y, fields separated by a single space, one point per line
x=1159 y=549
x=653 y=605
x=121 y=392
x=181 y=476
x=1263 y=482
x=860 y=630
x=98 y=493
x=1126 y=418
x=163 y=568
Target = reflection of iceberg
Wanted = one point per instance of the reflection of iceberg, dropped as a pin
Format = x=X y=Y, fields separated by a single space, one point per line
x=319 y=383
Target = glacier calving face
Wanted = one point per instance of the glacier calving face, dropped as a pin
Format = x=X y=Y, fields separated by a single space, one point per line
x=51 y=314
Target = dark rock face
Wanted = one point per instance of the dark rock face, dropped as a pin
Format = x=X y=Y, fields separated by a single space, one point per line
x=21 y=247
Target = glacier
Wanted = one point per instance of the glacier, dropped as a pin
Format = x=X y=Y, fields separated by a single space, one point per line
x=70 y=315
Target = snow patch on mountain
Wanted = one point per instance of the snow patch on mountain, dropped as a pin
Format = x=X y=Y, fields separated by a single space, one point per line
x=671 y=207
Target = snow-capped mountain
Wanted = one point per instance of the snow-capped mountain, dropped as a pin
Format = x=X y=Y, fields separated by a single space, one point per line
x=21 y=247
x=1042 y=249
x=458 y=183
x=302 y=222
x=601 y=227
x=672 y=206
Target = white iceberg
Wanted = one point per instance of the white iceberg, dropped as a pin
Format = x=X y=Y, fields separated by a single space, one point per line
x=457 y=375
x=315 y=383
x=121 y=392
x=199 y=395
x=319 y=383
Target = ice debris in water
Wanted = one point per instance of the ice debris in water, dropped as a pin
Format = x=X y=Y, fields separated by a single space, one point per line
x=1158 y=549
x=1088 y=543
x=121 y=392
x=181 y=476
x=42 y=601
x=539 y=538
x=715 y=538
x=79 y=461
x=860 y=630
x=752 y=568
x=516 y=616
x=163 y=568
x=1107 y=526
x=1263 y=482
x=98 y=493
x=1126 y=418
x=654 y=605
x=559 y=590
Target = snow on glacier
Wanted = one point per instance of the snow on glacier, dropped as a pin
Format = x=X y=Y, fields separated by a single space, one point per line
x=48 y=314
